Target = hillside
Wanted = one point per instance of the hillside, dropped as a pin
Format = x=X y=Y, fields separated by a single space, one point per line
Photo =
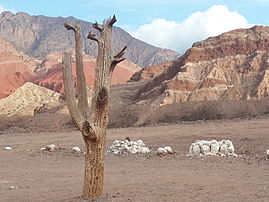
x=39 y=35
x=231 y=66
x=26 y=98
x=17 y=68
x=52 y=77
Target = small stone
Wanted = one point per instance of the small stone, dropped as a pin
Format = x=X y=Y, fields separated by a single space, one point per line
x=51 y=147
x=233 y=155
x=223 y=150
x=161 y=151
x=231 y=148
x=144 y=150
x=169 y=149
x=76 y=149
x=43 y=148
x=214 y=149
x=227 y=142
x=8 y=148
x=212 y=142
x=196 y=150
x=200 y=142
x=267 y=152
x=13 y=187
x=205 y=149
x=115 y=142
x=140 y=142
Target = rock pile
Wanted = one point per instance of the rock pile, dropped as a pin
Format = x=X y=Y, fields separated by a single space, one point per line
x=128 y=147
x=213 y=147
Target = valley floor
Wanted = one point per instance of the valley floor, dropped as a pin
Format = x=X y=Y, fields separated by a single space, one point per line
x=58 y=176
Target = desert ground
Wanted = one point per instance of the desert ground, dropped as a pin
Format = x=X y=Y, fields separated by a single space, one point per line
x=28 y=174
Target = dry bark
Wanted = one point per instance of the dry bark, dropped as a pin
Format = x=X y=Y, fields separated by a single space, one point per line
x=92 y=121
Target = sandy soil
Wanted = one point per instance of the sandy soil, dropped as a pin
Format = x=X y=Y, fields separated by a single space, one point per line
x=57 y=176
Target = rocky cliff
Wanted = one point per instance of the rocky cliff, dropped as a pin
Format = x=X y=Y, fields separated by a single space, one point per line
x=39 y=35
x=231 y=66
x=150 y=72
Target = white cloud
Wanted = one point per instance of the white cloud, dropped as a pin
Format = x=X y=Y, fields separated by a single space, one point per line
x=196 y=27
x=2 y=9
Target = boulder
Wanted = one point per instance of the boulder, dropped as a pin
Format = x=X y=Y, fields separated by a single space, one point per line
x=205 y=149
x=223 y=149
x=169 y=149
x=76 y=149
x=196 y=149
x=161 y=151
x=214 y=149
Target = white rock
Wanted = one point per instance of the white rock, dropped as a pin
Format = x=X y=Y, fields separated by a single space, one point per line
x=51 y=147
x=200 y=143
x=190 y=149
x=161 y=151
x=228 y=142
x=140 y=142
x=8 y=148
x=126 y=141
x=144 y=150
x=205 y=149
x=13 y=187
x=76 y=149
x=223 y=149
x=43 y=148
x=116 y=142
x=214 y=149
x=207 y=143
x=212 y=142
x=169 y=149
x=196 y=150
x=267 y=152
x=133 y=150
x=230 y=148
x=233 y=155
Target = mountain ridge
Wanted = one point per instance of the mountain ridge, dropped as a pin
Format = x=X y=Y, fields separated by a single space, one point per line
x=231 y=66
x=39 y=35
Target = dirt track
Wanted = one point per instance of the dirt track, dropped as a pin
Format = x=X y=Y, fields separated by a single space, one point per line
x=58 y=176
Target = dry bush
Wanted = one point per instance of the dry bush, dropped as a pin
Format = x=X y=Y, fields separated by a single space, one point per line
x=193 y=111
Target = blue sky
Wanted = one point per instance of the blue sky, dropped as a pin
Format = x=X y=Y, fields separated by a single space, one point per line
x=146 y=18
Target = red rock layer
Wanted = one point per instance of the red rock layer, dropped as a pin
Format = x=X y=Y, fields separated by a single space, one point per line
x=16 y=68
x=233 y=65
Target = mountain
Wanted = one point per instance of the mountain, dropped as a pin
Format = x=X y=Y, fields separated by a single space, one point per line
x=231 y=66
x=39 y=35
x=17 y=68
x=53 y=78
